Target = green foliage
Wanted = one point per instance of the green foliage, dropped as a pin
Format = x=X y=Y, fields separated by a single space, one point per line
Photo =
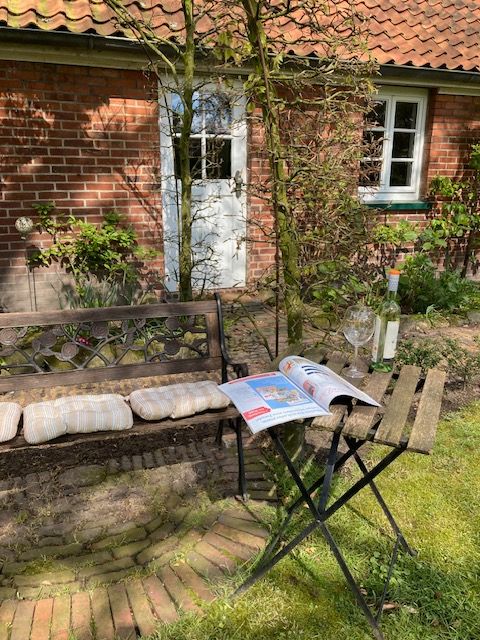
x=397 y=235
x=422 y=289
x=94 y=294
x=458 y=223
x=425 y=354
x=102 y=258
x=337 y=283
x=462 y=364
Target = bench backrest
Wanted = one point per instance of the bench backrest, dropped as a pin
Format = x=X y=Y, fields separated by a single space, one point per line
x=42 y=349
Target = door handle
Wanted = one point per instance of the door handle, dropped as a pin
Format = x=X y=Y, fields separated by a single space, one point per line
x=238 y=180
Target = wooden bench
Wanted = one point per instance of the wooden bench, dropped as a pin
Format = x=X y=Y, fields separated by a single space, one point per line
x=115 y=349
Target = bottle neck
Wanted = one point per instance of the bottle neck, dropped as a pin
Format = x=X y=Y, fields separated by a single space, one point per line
x=391 y=294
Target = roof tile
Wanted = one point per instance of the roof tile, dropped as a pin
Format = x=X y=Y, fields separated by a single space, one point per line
x=430 y=33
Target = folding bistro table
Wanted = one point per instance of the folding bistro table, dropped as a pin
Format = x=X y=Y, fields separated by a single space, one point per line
x=407 y=421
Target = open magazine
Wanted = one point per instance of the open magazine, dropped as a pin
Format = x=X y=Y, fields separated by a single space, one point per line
x=301 y=389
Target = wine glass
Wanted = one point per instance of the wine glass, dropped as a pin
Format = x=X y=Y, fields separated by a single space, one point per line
x=358 y=327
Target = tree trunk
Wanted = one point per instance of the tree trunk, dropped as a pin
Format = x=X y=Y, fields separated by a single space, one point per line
x=285 y=224
x=185 y=253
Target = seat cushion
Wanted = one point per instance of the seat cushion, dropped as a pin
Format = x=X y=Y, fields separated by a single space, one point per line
x=85 y=414
x=177 y=400
x=43 y=421
x=10 y=413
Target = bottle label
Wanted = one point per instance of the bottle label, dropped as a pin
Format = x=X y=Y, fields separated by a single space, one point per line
x=391 y=340
x=393 y=281
x=376 y=338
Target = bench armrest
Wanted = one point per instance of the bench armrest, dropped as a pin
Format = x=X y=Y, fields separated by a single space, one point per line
x=240 y=369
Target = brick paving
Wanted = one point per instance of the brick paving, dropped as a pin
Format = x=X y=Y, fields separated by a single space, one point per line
x=100 y=552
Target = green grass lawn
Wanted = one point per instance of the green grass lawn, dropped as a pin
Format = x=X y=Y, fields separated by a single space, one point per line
x=436 y=500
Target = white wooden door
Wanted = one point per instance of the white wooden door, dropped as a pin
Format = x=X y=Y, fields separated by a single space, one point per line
x=218 y=161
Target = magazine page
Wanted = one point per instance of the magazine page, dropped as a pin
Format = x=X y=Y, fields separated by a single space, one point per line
x=320 y=382
x=268 y=399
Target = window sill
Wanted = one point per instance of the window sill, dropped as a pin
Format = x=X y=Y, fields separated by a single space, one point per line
x=419 y=205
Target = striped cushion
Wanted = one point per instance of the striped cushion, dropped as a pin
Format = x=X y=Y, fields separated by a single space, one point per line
x=43 y=421
x=10 y=413
x=177 y=400
x=152 y=403
x=84 y=414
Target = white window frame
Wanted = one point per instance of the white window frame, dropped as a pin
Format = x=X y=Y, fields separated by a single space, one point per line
x=384 y=192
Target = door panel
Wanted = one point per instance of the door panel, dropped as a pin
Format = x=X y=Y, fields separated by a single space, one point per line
x=218 y=153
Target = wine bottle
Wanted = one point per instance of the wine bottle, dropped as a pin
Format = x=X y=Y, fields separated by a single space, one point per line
x=387 y=323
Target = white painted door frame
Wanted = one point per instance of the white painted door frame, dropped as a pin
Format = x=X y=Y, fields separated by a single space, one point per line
x=220 y=208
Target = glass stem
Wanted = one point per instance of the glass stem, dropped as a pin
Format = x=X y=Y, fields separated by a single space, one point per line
x=355 y=357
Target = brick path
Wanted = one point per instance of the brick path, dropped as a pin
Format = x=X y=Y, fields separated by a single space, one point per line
x=113 y=551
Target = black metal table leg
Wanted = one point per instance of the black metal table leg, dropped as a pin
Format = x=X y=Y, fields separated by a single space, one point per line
x=321 y=514
x=242 y=483
x=388 y=514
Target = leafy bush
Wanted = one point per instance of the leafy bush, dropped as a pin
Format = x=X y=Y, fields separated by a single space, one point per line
x=457 y=222
x=425 y=353
x=95 y=293
x=461 y=364
x=421 y=288
x=339 y=283
x=104 y=260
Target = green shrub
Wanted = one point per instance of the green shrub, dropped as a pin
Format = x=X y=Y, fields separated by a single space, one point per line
x=461 y=364
x=426 y=353
x=104 y=260
x=421 y=288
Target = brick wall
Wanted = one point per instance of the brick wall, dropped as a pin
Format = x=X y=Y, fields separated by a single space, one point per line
x=261 y=249
x=453 y=125
x=85 y=138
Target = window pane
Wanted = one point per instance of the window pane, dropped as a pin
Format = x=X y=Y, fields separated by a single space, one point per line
x=369 y=173
x=406 y=115
x=219 y=158
x=401 y=174
x=177 y=113
x=218 y=113
x=373 y=141
x=195 y=157
x=403 y=144
x=376 y=116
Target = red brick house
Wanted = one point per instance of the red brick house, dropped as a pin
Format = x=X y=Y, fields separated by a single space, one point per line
x=78 y=125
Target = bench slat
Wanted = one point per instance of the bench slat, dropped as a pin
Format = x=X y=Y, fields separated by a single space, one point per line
x=391 y=427
x=213 y=333
x=336 y=361
x=422 y=436
x=360 y=421
x=73 y=316
x=139 y=428
x=100 y=374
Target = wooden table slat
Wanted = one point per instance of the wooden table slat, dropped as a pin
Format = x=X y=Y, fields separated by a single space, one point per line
x=362 y=417
x=333 y=422
x=391 y=427
x=422 y=436
x=336 y=361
